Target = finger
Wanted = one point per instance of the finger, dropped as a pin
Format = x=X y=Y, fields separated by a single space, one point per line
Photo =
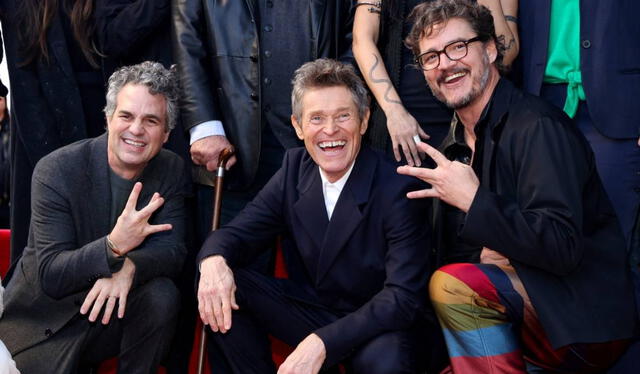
x=153 y=205
x=97 y=307
x=152 y=229
x=423 y=135
x=413 y=150
x=226 y=313
x=396 y=150
x=122 y=305
x=433 y=153
x=427 y=175
x=133 y=197
x=231 y=162
x=220 y=309
x=212 y=165
x=234 y=304
x=420 y=194
x=108 y=309
x=88 y=300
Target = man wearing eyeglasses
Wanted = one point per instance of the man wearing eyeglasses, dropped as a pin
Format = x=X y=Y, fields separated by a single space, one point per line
x=537 y=273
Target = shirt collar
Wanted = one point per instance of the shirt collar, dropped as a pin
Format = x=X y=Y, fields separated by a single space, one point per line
x=339 y=184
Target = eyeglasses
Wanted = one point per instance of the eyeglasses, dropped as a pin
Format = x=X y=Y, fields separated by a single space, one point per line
x=454 y=51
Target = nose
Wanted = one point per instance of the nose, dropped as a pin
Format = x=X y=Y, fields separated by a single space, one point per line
x=136 y=127
x=331 y=127
x=445 y=62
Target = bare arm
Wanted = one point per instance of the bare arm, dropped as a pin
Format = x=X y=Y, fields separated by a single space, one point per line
x=504 y=17
x=401 y=125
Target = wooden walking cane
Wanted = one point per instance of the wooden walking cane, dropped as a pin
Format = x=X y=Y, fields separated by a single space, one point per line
x=217 y=202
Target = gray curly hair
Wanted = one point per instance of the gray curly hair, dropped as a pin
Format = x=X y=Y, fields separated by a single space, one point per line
x=158 y=80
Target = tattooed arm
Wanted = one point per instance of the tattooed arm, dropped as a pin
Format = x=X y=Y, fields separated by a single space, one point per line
x=504 y=17
x=401 y=125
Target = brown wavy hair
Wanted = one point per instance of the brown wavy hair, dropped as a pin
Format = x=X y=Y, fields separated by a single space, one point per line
x=35 y=17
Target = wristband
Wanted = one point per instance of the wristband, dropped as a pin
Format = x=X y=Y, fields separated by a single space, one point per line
x=113 y=247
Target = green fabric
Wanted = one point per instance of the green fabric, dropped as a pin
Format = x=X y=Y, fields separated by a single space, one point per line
x=563 y=56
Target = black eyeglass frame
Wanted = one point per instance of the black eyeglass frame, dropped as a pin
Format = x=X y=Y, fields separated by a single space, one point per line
x=444 y=50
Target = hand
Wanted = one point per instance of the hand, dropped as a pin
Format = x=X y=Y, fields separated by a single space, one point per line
x=402 y=129
x=451 y=181
x=110 y=290
x=489 y=256
x=205 y=151
x=307 y=358
x=216 y=293
x=132 y=227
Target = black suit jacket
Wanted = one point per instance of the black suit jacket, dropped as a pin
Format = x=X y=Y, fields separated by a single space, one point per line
x=368 y=264
x=541 y=204
x=609 y=59
x=217 y=47
x=67 y=249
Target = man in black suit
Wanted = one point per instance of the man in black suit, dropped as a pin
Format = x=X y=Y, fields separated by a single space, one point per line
x=360 y=243
x=519 y=193
x=106 y=238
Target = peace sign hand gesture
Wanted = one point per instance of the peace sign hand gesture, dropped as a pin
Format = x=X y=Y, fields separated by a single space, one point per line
x=451 y=181
x=132 y=227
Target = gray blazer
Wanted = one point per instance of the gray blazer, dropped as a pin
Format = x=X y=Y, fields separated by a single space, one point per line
x=66 y=251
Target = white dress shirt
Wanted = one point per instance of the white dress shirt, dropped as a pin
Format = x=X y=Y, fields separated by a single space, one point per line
x=331 y=191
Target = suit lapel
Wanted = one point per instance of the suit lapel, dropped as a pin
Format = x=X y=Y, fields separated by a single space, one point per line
x=310 y=208
x=98 y=193
x=347 y=214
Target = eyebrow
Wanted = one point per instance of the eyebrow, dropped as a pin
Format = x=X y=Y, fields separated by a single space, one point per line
x=146 y=116
x=316 y=112
x=445 y=46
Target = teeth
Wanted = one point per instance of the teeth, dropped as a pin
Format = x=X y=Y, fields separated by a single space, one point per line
x=335 y=143
x=134 y=143
x=454 y=76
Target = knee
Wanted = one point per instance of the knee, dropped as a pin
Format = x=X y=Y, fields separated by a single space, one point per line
x=451 y=281
x=390 y=353
x=159 y=301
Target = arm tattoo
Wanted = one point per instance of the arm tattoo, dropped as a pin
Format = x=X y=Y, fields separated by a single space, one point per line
x=503 y=46
x=385 y=81
x=511 y=19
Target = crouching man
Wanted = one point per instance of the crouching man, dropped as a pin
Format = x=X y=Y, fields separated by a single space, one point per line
x=106 y=237
x=358 y=289
x=520 y=197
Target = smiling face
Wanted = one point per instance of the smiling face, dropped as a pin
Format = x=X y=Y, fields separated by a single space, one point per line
x=331 y=129
x=458 y=83
x=137 y=130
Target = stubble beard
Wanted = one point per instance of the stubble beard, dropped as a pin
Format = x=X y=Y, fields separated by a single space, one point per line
x=476 y=90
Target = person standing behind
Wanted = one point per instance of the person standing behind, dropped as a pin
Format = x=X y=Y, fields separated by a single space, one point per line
x=405 y=109
x=581 y=56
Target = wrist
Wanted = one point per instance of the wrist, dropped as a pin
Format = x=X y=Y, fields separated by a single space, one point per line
x=114 y=247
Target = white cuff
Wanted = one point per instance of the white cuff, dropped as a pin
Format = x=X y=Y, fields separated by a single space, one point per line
x=204 y=129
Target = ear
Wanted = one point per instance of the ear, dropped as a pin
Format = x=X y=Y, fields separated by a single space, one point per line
x=297 y=126
x=166 y=136
x=364 y=124
x=492 y=51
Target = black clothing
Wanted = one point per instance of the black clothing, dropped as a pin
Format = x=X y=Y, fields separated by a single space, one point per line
x=432 y=115
x=221 y=58
x=541 y=204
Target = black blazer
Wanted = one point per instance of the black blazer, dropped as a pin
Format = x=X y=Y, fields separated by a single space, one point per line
x=609 y=59
x=369 y=263
x=542 y=205
x=217 y=48
x=67 y=249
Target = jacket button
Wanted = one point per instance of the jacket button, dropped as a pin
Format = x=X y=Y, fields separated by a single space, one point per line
x=48 y=333
x=586 y=43
x=254 y=96
x=268 y=28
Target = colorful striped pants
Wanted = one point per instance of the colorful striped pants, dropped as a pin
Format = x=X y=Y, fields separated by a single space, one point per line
x=490 y=326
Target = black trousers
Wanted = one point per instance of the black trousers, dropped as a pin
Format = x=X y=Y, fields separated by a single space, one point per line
x=266 y=309
x=139 y=340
